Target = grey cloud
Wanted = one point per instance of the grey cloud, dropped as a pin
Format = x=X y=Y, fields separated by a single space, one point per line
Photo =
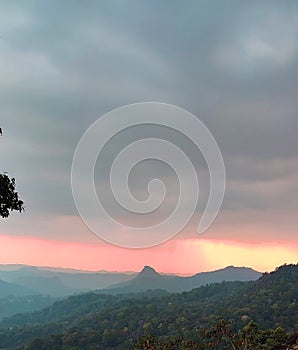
x=233 y=64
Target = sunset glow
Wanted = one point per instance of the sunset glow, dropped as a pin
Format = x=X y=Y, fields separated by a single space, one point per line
x=187 y=256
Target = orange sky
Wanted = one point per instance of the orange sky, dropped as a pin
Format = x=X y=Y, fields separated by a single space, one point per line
x=180 y=256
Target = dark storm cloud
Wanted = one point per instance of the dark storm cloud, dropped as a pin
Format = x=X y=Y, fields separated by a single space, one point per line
x=233 y=64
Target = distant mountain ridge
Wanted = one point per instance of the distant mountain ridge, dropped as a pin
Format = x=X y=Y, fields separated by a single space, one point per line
x=57 y=282
x=148 y=279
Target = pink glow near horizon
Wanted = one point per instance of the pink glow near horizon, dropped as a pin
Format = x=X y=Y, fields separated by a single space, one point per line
x=179 y=256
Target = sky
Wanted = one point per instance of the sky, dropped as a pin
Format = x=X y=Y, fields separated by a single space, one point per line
x=233 y=64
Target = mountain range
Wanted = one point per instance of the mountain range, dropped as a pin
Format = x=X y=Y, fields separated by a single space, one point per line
x=148 y=279
x=29 y=288
x=24 y=280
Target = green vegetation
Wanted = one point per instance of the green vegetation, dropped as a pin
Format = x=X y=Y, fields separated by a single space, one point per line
x=221 y=336
x=188 y=320
x=9 y=198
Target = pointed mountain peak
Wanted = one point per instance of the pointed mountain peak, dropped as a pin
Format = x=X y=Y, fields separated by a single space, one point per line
x=148 y=271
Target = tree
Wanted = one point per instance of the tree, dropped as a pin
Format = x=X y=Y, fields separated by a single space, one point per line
x=9 y=198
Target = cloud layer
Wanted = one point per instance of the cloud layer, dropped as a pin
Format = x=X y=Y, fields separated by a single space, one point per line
x=233 y=64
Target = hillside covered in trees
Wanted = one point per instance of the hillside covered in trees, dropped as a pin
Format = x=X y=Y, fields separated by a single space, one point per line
x=100 y=321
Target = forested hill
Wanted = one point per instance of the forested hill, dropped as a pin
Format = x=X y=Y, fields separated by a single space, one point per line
x=93 y=321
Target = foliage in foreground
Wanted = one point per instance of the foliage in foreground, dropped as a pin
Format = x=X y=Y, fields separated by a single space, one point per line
x=219 y=336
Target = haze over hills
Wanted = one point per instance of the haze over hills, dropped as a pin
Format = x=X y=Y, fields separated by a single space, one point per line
x=8 y=289
x=20 y=284
x=28 y=288
x=60 y=283
x=15 y=298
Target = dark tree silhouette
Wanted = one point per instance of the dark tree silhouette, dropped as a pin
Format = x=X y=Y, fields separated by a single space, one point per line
x=9 y=198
